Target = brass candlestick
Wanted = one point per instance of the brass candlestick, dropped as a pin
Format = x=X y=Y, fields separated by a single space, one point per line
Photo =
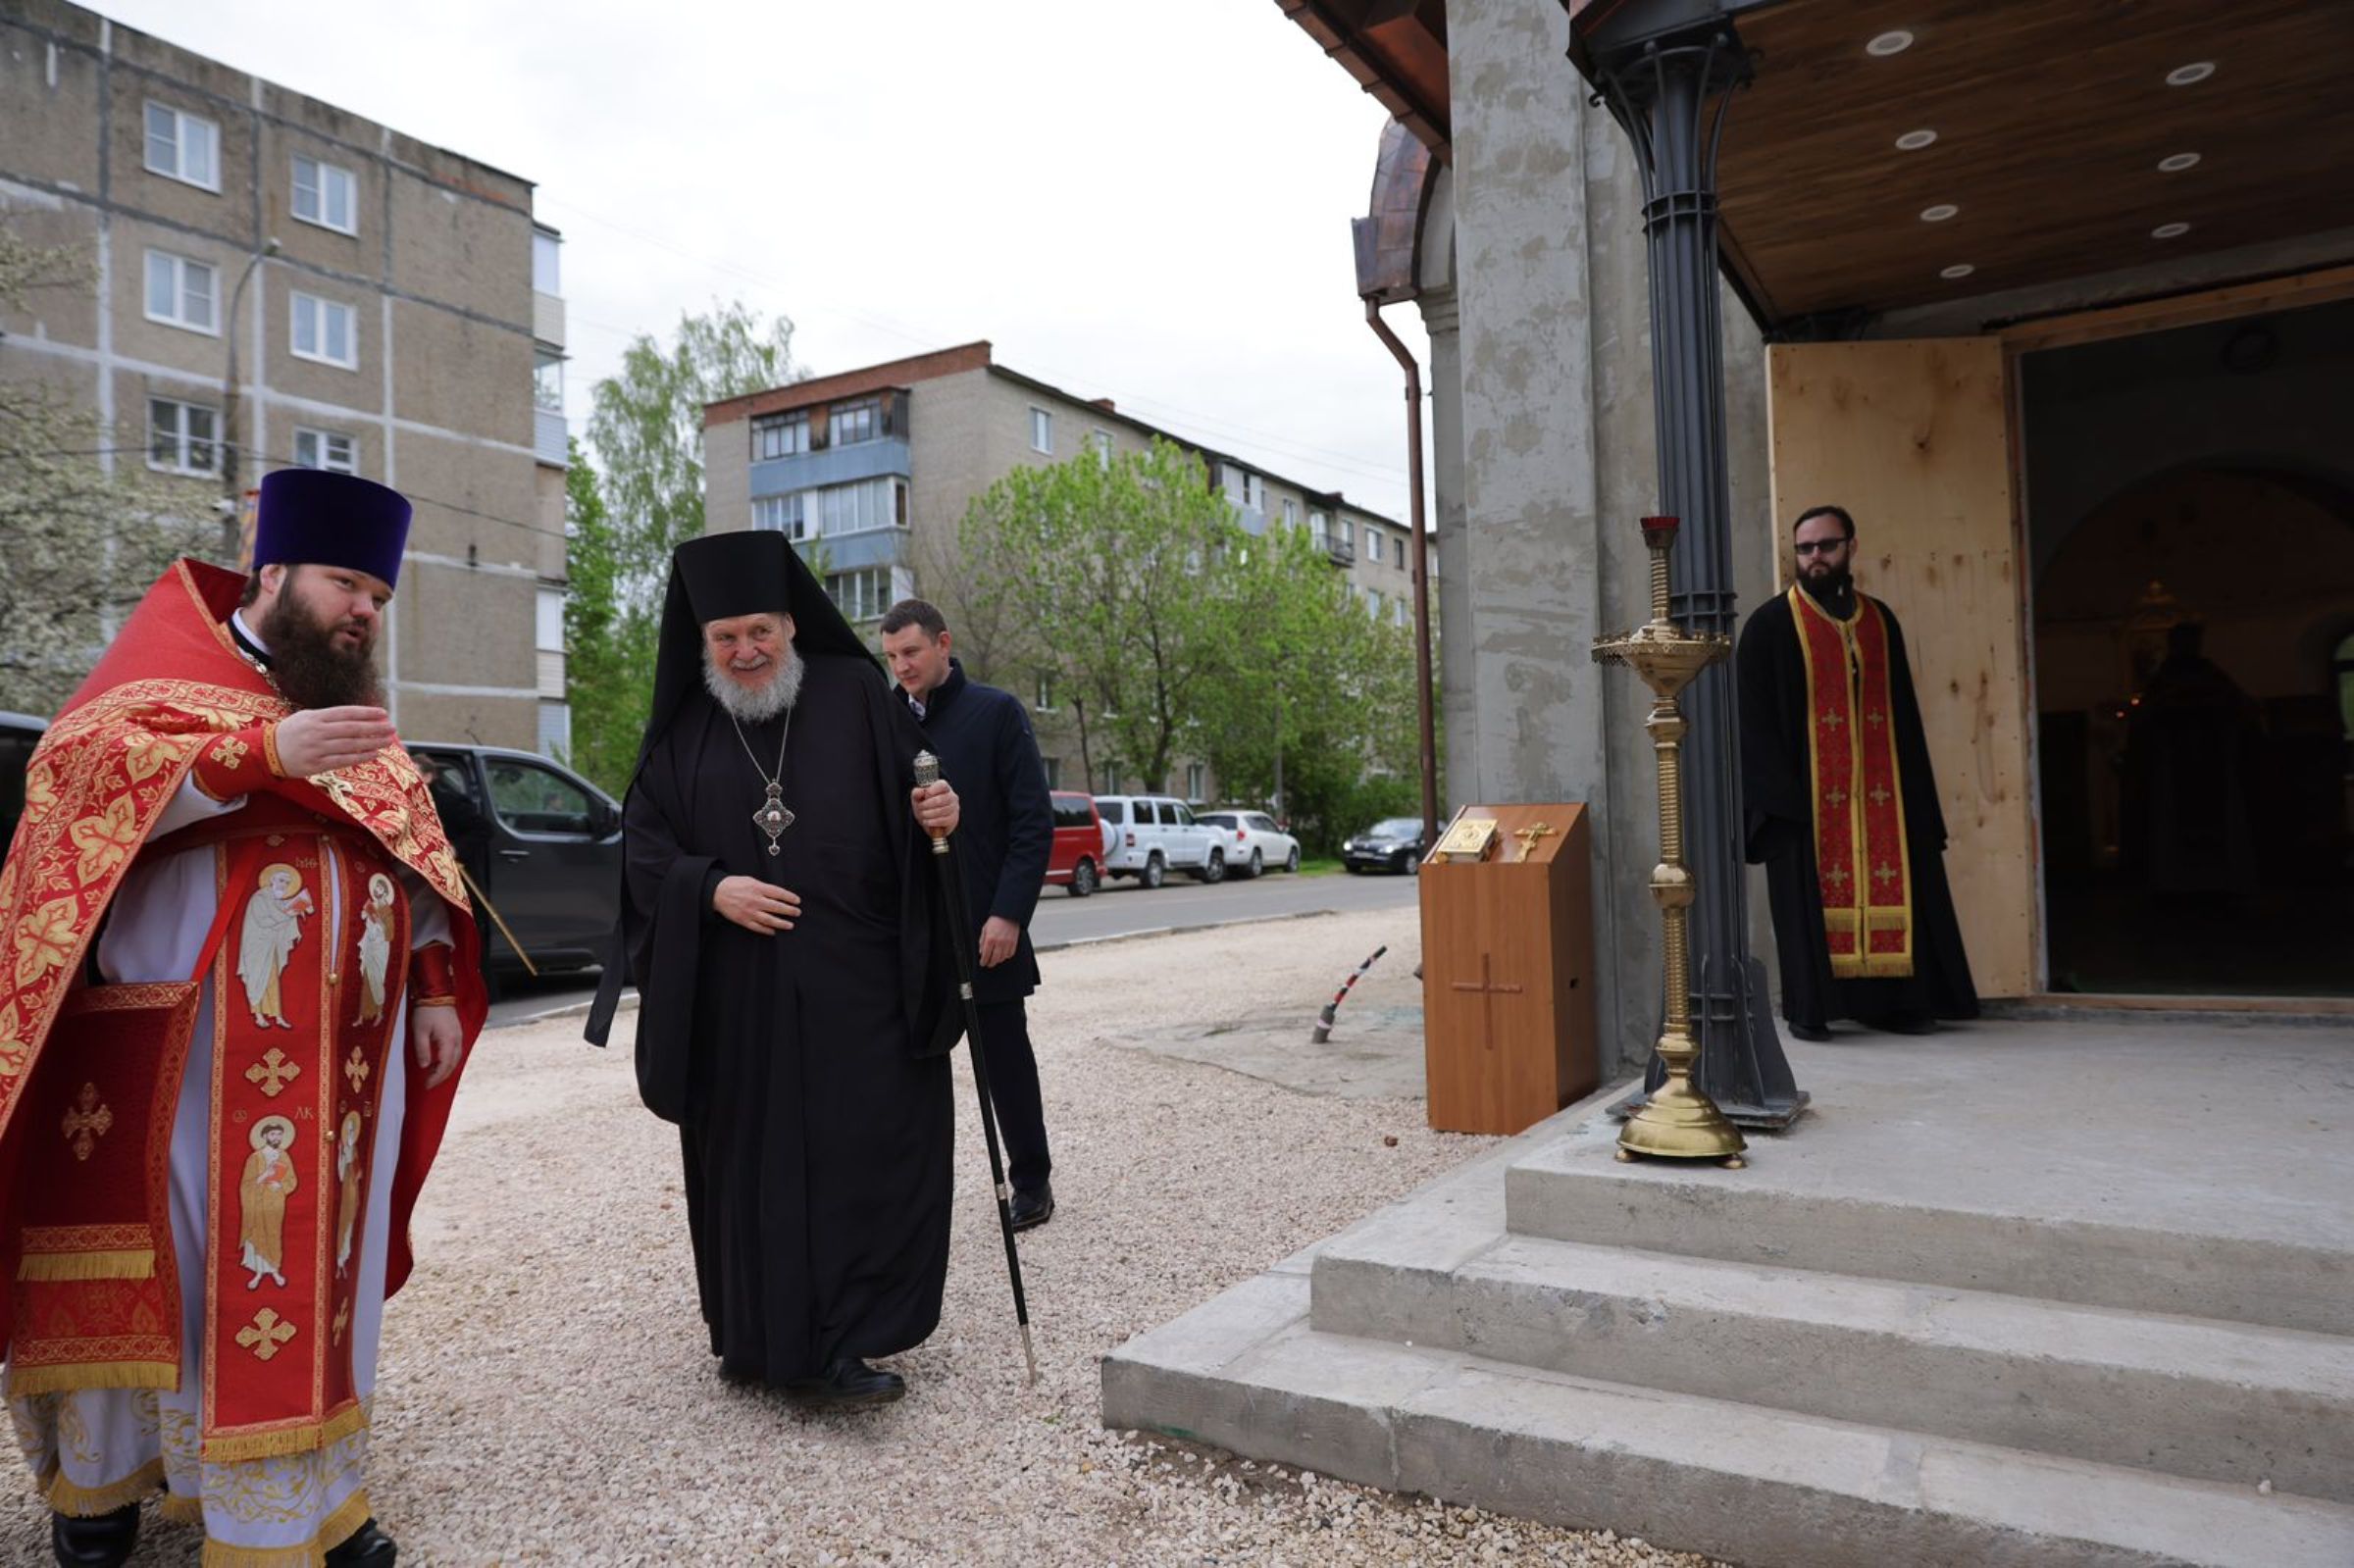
x=1680 y=1121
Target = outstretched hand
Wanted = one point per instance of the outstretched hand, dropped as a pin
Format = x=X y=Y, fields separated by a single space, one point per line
x=759 y=907
x=319 y=740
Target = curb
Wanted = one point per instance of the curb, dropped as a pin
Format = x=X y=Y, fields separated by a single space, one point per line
x=628 y=1003
x=1179 y=930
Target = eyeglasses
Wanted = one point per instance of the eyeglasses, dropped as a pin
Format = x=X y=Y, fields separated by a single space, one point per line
x=1819 y=546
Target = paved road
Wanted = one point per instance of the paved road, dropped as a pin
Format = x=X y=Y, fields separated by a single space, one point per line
x=1122 y=909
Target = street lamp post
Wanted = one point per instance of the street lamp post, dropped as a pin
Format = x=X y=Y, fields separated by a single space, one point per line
x=230 y=540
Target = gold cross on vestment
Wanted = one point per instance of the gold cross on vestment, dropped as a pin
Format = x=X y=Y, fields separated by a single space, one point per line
x=1488 y=988
x=272 y=1073
x=1531 y=834
x=1836 y=876
x=1879 y=794
x=343 y=1321
x=355 y=1068
x=265 y=1333
x=86 y=1122
x=1873 y=718
x=1832 y=721
x=1885 y=873
x=1835 y=795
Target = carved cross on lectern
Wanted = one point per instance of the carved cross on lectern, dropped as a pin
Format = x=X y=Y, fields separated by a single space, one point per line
x=1489 y=988
x=1532 y=836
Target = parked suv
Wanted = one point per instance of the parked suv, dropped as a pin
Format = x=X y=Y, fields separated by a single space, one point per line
x=1076 y=861
x=1153 y=836
x=1253 y=842
x=545 y=846
x=1394 y=844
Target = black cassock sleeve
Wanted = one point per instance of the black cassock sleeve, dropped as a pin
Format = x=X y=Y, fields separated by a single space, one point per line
x=1028 y=817
x=665 y=896
x=1776 y=800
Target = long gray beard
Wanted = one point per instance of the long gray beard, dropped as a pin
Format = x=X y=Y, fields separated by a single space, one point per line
x=755 y=705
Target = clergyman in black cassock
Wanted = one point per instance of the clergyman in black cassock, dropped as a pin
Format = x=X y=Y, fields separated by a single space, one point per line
x=807 y=1068
x=1839 y=803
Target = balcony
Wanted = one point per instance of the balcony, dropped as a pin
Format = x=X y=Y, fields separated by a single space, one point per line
x=548 y=436
x=547 y=319
x=833 y=465
x=1341 y=554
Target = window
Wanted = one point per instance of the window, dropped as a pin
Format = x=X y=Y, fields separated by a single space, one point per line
x=780 y=435
x=1254 y=491
x=547 y=380
x=1195 y=776
x=857 y=507
x=1170 y=814
x=1404 y=617
x=1114 y=812
x=1348 y=536
x=180 y=437
x=853 y=423
x=860 y=595
x=326 y=331
x=530 y=798
x=331 y=450
x=183 y=147
x=1375 y=604
x=1374 y=545
x=1261 y=822
x=1067 y=814
x=787 y=514
x=1399 y=560
x=1291 y=513
x=182 y=292
x=326 y=195
x=547 y=252
x=1319 y=529
x=1042 y=432
x=1101 y=441
x=1046 y=694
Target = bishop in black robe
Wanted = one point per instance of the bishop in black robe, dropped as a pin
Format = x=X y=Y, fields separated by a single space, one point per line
x=1900 y=963
x=807 y=1069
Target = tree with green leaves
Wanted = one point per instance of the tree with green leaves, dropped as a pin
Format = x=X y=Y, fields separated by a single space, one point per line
x=634 y=496
x=1117 y=570
x=84 y=536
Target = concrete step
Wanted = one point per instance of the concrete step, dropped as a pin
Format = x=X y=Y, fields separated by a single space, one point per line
x=1759 y=1487
x=2070 y=1226
x=2218 y=1402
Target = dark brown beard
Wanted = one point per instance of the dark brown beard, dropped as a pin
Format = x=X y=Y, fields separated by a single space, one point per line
x=311 y=671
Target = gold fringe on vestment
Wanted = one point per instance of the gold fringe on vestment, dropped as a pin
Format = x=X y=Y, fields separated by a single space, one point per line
x=306 y=1439
x=88 y=1503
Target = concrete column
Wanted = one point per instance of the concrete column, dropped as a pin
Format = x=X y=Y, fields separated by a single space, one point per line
x=1529 y=426
x=1458 y=708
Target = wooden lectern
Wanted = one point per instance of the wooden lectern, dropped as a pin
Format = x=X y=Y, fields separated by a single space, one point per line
x=1507 y=963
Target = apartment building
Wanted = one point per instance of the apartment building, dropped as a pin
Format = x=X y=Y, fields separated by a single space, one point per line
x=280 y=281
x=866 y=467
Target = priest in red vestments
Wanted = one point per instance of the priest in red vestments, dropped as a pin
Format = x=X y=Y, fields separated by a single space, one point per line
x=1839 y=804
x=237 y=978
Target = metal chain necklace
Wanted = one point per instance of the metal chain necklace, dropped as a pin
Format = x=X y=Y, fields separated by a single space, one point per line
x=774 y=816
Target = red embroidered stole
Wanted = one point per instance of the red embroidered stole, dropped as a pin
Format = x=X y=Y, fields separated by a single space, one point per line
x=305 y=988
x=1862 y=860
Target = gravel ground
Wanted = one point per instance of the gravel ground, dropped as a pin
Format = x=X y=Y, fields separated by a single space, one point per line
x=547 y=1395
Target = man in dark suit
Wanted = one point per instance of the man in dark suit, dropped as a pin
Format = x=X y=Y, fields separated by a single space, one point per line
x=986 y=748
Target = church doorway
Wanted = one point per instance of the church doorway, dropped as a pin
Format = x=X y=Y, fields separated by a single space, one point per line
x=2189 y=510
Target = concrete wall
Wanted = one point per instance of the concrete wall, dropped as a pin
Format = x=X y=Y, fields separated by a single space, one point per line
x=439 y=402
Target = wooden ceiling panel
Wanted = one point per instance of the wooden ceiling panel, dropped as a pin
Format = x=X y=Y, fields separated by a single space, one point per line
x=2051 y=118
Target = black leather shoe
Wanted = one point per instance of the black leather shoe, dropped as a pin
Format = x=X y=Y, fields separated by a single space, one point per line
x=1032 y=1209
x=1810 y=1032
x=847 y=1384
x=365 y=1547
x=103 y=1541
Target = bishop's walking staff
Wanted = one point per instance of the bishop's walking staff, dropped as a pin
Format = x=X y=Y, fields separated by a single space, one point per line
x=960 y=937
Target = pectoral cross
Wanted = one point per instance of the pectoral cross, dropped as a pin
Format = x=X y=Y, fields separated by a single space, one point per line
x=265 y=1333
x=774 y=817
x=1489 y=990
x=86 y=1122
x=272 y=1073
x=1532 y=834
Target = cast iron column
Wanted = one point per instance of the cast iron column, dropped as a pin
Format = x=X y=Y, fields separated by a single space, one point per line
x=1660 y=90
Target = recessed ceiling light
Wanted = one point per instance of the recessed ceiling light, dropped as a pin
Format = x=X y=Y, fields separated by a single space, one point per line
x=1939 y=213
x=1915 y=140
x=2184 y=76
x=1890 y=43
x=2170 y=231
x=2178 y=162
x=1959 y=270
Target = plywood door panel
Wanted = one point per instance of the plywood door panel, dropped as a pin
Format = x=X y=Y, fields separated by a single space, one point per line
x=1914 y=438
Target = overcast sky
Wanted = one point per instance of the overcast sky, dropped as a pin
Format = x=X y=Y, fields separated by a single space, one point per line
x=1127 y=204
